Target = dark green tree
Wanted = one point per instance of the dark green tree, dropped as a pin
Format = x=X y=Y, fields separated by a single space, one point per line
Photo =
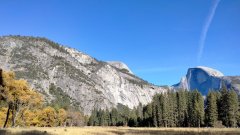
x=107 y=120
x=181 y=108
x=114 y=117
x=232 y=109
x=123 y=115
x=172 y=109
x=165 y=110
x=139 y=113
x=147 y=116
x=195 y=109
x=159 y=109
x=238 y=114
x=222 y=105
x=154 y=111
x=93 y=118
x=133 y=118
x=199 y=107
x=211 y=113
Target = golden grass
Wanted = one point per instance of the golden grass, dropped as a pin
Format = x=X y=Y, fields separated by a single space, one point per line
x=120 y=131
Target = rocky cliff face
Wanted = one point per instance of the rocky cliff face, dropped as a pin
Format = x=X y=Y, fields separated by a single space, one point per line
x=205 y=79
x=88 y=82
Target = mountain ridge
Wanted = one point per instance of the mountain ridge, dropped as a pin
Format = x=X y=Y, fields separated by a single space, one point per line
x=88 y=82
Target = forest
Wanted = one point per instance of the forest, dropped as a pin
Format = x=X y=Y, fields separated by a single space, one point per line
x=22 y=106
x=176 y=109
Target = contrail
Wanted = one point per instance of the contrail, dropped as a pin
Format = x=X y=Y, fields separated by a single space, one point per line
x=205 y=28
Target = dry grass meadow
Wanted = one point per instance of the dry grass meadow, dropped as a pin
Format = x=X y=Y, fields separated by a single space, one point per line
x=119 y=131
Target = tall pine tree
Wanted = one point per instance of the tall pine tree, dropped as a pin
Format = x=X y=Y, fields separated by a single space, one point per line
x=211 y=113
x=154 y=111
x=195 y=109
x=232 y=109
x=222 y=105
x=181 y=108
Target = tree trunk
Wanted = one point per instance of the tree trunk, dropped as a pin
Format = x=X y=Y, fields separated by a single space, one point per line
x=13 y=117
x=198 y=123
x=15 y=113
x=7 y=117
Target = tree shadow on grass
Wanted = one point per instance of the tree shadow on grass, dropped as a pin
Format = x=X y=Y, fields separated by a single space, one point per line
x=152 y=132
x=2 y=132
x=118 y=132
x=33 y=132
x=147 y=132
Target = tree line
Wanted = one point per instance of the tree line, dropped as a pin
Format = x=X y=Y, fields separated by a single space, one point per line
x=176 y=109
x=20 y=105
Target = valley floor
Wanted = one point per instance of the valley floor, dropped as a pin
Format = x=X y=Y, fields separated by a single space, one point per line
x=119 y=131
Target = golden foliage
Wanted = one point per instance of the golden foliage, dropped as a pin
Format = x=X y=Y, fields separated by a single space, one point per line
x=48 y=117
x=18 y=95
x=62 y=117
x=3 y=112
x=26 y=106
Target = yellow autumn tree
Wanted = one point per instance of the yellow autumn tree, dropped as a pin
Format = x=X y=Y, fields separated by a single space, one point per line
x=29 y=118
x=18 y=96
x=22 y=106
x=62 y=117
x=30 y=111
x=26 y=118
x=47 y=117
x=3 y=113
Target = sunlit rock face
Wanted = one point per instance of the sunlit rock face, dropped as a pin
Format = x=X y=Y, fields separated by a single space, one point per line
x=205 y=79
x=88 y=82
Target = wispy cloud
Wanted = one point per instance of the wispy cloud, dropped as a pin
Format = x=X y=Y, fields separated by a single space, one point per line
x=206 y=27
x=155 y=70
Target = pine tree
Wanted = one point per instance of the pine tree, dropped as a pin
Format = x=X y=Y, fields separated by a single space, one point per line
x=195 y=109
x=232 y=109
x=190 y=110
x=199 y=108
x=132 y=122
x=211 y=113
x=92 y=118
x=172 y=111
x=181 y=108
x=139 y=113
x=124 y=114
x=154 y=111
x=147 y=116
x=222 y=104
x=106 y=118
x=159 y=109
x=100 y=116
x=238 y=114
x=114 y=117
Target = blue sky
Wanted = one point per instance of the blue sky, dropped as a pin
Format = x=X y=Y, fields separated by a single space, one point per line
x=158 y=39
